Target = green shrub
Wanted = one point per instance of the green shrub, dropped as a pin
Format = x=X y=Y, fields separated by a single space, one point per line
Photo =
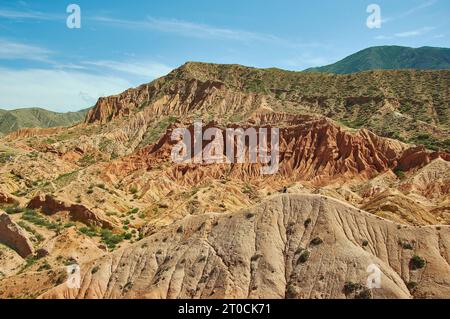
x=127 y=236
x=400 y=174
x=14 y=210
x=110 y=239
x=89 y=231
x=304 y=256
x=411 y=285
x=417 y=262
x=365 y=243
x=36 y=235
x=95 y=269
x=35 y=218
x=44 y=266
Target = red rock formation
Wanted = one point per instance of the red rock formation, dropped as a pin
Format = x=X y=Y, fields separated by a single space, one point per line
x=14 y=236
x=50 y=206
x=312 y=149
x=6 y=199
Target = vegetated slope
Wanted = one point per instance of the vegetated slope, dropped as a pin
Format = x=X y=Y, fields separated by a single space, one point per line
x=13 y=120
x=408 y=105
x=291 y=246
x=390 y=58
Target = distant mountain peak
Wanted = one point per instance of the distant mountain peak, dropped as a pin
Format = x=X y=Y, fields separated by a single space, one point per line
x=390 y=57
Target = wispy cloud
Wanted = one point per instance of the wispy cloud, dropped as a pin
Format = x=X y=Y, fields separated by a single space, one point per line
x=144 y=69
x=188 y=29
x=59 y=90
x=11 y=50
x=406 y=34
x=410 y=11
x=414 y=33
x=28 y=14
x=202 y=31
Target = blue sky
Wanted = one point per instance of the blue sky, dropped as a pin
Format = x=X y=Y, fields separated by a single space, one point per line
x=122 y=44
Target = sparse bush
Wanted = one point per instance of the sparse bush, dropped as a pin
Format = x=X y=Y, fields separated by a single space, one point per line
x=291 y=292
x=307 y=222
x=110 y=239
x=417 y=262
x=33 y=217
x=134 y=211
x=400 y=174
x=88 y=231
x=316 y=241
x=127 y=236
x=365 y=293
x=351 y=287
x=44 y=266
x=411 y=285
x=14 y=210
x=365 y=243
x=405 y=245
x=95 y=269
x=249 y=215
x=255 y=257
x=304 y=256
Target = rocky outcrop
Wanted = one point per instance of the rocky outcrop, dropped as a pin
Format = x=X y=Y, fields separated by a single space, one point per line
x=311 y=149
x=30 y=132
x=291 y=246
x=49 y=206
x=14 y=236
x=6 y=198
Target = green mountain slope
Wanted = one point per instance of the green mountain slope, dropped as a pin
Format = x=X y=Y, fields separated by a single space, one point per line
x=13 y=120
x=390 y=58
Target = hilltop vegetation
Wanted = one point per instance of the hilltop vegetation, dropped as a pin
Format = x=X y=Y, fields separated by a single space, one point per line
x=390 y=58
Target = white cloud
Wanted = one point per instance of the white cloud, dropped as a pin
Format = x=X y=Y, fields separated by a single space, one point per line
x=383 y=37
x=57 y=90
x=202 y=31
x=414 y=33
x=35 y=15
x=10 y=50
x=406 y=34
x=189 y=29
x=410 y=11
x=144 y=69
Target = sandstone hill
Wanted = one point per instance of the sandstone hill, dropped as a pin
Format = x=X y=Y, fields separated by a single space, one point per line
x=270 y=251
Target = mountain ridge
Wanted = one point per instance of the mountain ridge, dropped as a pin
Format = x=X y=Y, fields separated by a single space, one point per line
x=33 y=117
x=409 y=105
x=390 y=57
